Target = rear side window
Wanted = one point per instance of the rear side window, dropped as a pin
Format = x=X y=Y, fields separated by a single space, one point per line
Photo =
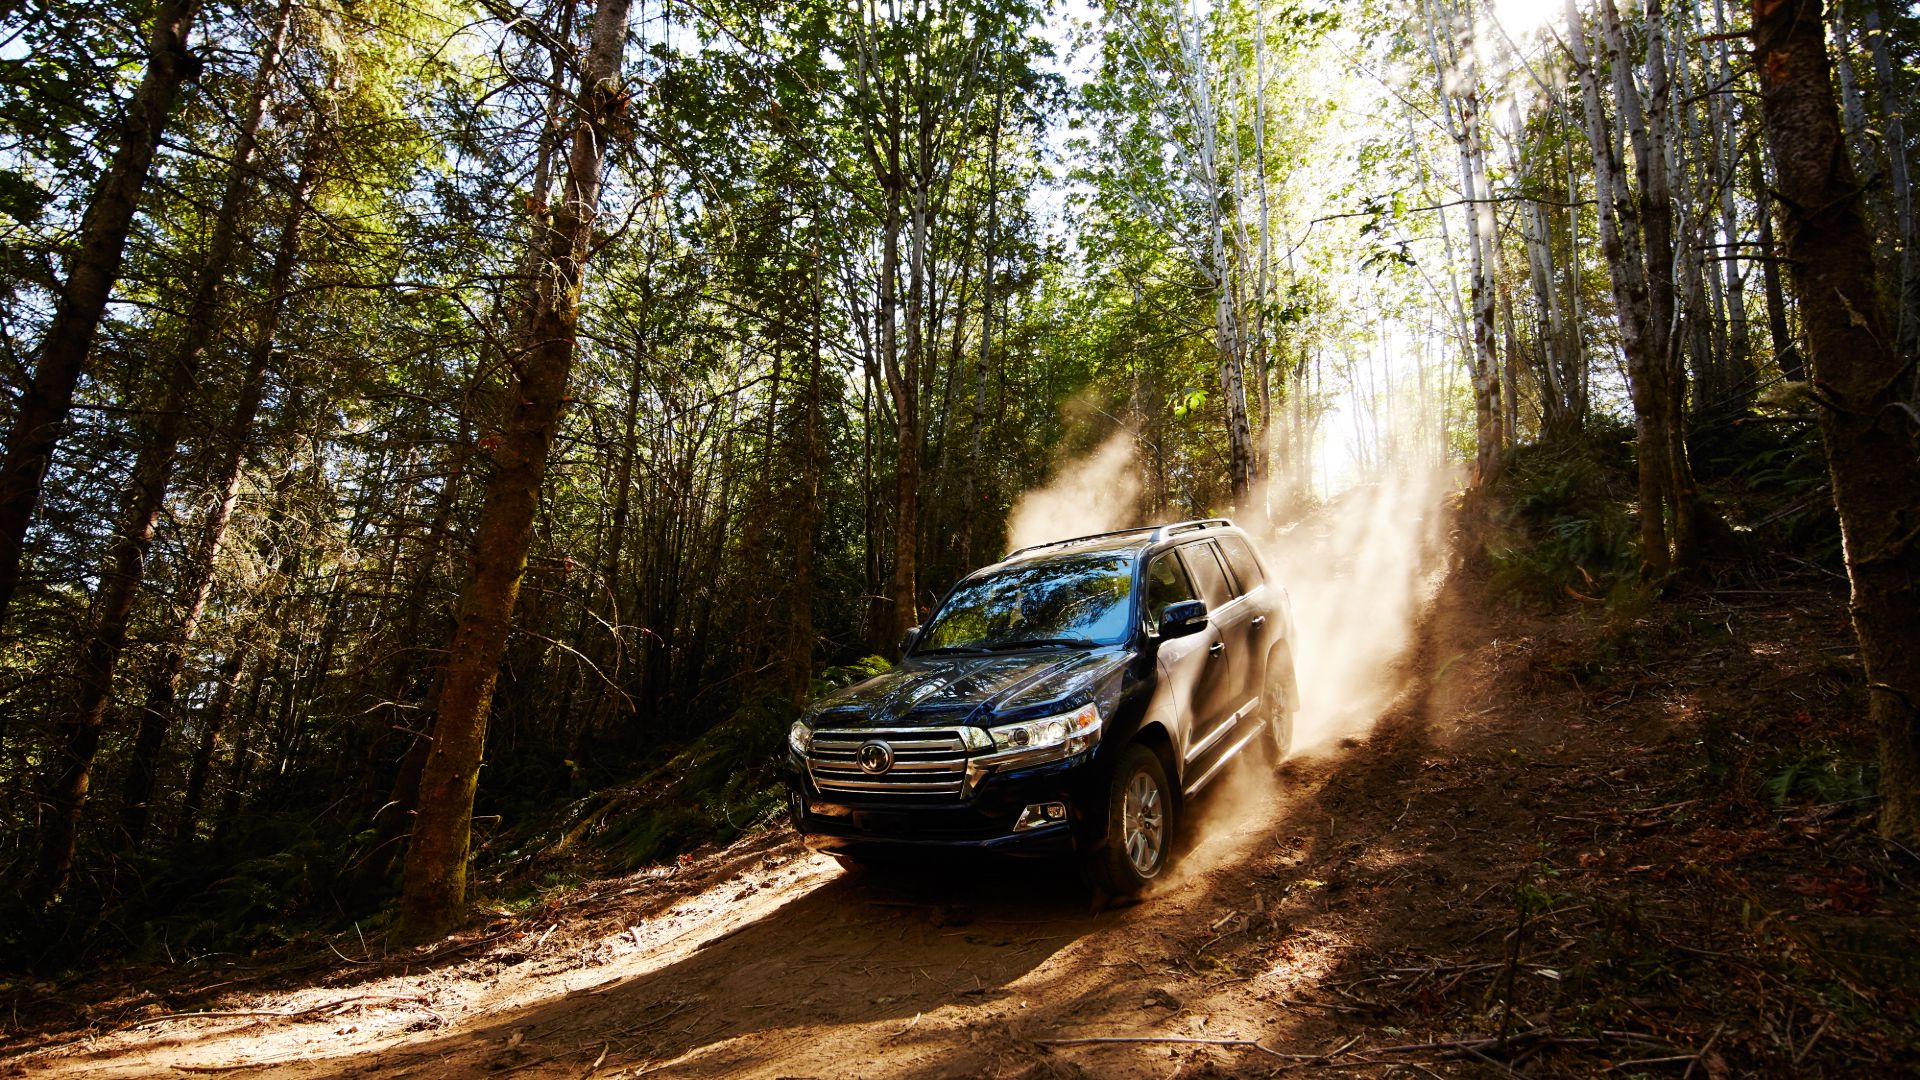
x=1245 y=567
x=1204 y=564
x=1166 y=585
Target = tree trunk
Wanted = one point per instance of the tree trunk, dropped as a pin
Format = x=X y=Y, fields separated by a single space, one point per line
x=1739 y=360
x=434 y=893
x=903 y=386
x=1657 y=218
x=1620 y=242
x=1786 y=349
x=798 y=654
x=1463 y=127
x=1214 y=262
x=94 y=269
x=1558 y=417
x=1870 y=432
x=1264 y=277
x=156 y=719
x=1894 y=105
x=211 y=725
x=240 y=761
x=970 y=498
x=125 y=570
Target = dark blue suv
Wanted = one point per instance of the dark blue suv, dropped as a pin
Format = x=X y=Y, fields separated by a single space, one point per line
x=1068 y=699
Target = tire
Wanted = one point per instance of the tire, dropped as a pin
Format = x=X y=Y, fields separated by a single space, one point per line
x=1140 y=826
x=1277 y=695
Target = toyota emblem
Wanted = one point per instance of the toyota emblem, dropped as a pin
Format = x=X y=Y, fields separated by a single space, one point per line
x=875 y=757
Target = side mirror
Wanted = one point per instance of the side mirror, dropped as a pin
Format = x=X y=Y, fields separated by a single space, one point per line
x=908 y=639
x=1183 y=618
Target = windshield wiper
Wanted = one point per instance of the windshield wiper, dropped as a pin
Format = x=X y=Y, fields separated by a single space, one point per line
x=956 y=650
x=1043 y=643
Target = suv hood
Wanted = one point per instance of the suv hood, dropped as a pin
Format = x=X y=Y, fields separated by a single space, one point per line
x=935 y=690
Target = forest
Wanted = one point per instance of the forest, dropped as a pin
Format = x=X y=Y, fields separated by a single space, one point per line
x=447 y=443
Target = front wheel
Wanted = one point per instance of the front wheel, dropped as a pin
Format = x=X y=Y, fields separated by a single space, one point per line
x=1140 y=818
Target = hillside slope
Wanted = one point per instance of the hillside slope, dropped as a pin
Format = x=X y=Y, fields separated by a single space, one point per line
x=1563 y=831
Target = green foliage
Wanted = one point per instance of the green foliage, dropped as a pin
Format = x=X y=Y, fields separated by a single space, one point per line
x=842 y=676
x=266 y=883
x=1777 y=476
x=721 y=785
x=1561 y=524
x=1815 y=772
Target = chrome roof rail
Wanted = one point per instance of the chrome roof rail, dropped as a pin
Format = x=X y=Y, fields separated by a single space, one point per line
x=1160 y=532
x=1195 y=525
x=1077 y=539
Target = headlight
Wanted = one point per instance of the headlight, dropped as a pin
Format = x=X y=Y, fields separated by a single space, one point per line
x=1072 y=732
x=800 y=737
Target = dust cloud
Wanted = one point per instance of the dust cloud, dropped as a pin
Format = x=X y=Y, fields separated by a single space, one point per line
x=1095 y=493
x=1360 y=571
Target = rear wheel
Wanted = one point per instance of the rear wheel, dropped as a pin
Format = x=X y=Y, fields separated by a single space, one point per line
x=1140 y=819
x=1277 y=696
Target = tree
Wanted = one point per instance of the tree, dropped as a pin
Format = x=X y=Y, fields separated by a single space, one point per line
x=1636 y=236
x=436 y=867
x=122 y=576
x=1872 y=434
x=1459 y=65
x=93 y=269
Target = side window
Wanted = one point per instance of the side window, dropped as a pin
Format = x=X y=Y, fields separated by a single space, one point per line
x=1204 y=564
x=1246 y=568
x=1166 y=586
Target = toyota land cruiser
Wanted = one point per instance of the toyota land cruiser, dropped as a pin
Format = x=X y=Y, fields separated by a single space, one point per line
x=1069 y=699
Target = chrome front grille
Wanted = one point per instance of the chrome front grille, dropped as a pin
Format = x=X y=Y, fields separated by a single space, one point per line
x=925 y=762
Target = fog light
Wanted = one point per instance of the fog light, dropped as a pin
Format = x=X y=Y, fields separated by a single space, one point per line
x=1039 y=814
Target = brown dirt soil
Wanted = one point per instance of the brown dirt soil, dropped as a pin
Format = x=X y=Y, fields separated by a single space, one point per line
x=1554 y=835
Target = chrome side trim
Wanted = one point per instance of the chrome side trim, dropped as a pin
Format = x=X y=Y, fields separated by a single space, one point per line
x=1220 y=732
x=1207 y=777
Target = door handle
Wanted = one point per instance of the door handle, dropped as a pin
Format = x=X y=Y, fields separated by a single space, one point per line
x=1216 y=650
x=1259 y=621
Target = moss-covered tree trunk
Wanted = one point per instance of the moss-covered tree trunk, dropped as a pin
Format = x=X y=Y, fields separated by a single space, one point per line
x=433 y=896
x=1872 y=434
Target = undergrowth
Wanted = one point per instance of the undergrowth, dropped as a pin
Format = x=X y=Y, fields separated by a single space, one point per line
x=1559 y=523
x=724 y=783
x=1774 y=481
x=277 y=877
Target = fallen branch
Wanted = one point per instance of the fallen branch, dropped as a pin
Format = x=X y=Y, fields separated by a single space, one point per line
x=295 y=1014
x=1251 y=1044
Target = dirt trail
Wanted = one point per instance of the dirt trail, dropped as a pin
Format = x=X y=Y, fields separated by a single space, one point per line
x=1365 y=901
x=787 y=965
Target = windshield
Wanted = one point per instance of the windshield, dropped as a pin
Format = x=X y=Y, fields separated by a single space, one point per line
x=1072 y=600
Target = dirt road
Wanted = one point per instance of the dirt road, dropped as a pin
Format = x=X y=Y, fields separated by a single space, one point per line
x=1375 y=908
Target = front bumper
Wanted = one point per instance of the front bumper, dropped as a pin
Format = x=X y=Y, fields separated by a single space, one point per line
x=981 y=821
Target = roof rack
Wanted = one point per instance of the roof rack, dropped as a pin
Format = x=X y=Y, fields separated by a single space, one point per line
x=1195 y=525
x=1077 y=539
x=1160 y=532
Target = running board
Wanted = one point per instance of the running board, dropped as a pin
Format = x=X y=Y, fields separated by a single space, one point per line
x=1207 y=777
x=1220 y=732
